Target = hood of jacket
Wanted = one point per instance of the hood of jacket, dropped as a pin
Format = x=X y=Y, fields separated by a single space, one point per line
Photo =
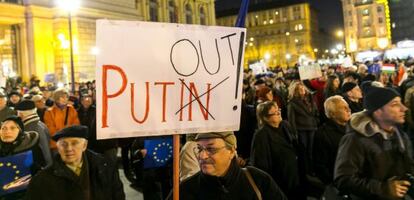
x=362 y=123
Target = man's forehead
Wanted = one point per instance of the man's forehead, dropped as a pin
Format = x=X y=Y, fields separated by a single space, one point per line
x=210 y=141
x=70 y=139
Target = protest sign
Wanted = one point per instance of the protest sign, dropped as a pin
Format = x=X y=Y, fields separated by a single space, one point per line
x=160 y=79
x=309 y=72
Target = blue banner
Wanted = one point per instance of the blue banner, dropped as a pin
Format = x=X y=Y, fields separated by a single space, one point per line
x=15 y=172
x=241 y=18
x=159 y=152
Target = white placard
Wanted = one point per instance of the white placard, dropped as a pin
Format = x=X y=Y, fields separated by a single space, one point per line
x=145 y=72
x=309 y=72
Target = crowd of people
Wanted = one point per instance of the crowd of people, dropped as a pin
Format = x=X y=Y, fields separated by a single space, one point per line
x=347 y=134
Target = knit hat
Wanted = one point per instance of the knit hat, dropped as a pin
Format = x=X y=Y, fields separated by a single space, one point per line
x=228 y=137
x=348 y=86
x=25 y=105
x=72 y=131
x=377 y=97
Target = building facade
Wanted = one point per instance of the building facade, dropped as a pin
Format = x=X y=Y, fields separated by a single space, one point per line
x=279 y=34
x=367 y=25
x=34 y=34
x=402 y=20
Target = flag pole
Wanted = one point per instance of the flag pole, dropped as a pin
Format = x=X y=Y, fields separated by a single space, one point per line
x=176 y=166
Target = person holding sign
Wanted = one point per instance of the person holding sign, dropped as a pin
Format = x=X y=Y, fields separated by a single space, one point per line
x=20 y=156
x=76 y=173
x=221 y=177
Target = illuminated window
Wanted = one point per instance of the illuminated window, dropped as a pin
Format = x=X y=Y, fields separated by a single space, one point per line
x=379 y=9
x=365 y=12
x=202 y=16
x=188 y=14
x=153 y=10
x=380 y=20
x=172 y=11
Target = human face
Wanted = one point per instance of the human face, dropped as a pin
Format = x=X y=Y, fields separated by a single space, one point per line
x=273 y=117
x=86 y=102
x=70 y=149
x=392 y=113
x=342 y=113
x=356 y=93
x=9 y=131
x=301 y=90
x=269 y=96
x=215 y=158
x=63 y=100
x=40 y=104
x=3 y=102
x=335 y=83
x=15 y=99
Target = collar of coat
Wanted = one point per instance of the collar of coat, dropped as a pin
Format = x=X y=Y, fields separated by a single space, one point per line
x=365 y=125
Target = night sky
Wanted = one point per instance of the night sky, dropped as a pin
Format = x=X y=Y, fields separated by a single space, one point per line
x=330 y=16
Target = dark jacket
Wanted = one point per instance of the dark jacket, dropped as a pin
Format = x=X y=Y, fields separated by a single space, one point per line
x=301 y=116
x=59 y=182
x=354 y=106
x=233 y=186
x=278 y=152
x=27 y=141
x=33 y=123
x=325 y=146
x=368 y=157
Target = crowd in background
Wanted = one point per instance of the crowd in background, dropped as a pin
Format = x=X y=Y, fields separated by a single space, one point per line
x=289 y=128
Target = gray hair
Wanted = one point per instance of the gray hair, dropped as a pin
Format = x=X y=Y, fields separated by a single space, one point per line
x=330 y=104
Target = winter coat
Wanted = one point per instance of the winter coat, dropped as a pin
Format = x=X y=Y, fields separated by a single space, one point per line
x=301 y=117
x=368 y=158
x=59 y=182
x=233 y=186
x=325 y=146
x=278 y=152
x=33 y=123
x=354 y=106
x=25 y=142
x=55 y=120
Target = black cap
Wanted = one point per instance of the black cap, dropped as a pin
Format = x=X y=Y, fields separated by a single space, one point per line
x=72 y=131
x=348 y=86
x=377 y=97
x=14 y=92
x=25 y=105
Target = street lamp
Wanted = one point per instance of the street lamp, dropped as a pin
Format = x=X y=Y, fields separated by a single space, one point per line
x=70 y=6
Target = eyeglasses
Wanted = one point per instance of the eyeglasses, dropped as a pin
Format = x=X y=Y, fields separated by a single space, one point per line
x=278 y=112
x=209 y=150
x=73 y=144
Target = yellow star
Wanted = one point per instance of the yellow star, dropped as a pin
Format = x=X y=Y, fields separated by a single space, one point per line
x=14 y=166
x=17 y=172
x=1 y=164
x=8 y=164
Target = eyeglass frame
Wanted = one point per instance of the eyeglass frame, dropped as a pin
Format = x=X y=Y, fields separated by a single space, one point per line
x=278 y=112
x=211 y=151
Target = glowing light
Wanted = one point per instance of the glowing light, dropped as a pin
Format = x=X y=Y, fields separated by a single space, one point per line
x=267 y=56
x=251 y=39
x=95 y=51
x=339 y=33
x=382 y=43
x=339 y=47
x=60 y=85
x=288 y=56
x=287 y=33
x=315 y=50
x=68 y=5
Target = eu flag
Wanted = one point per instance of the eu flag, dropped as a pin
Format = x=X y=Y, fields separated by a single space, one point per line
x=241 y=18
x=15 y=172
x=159 y=152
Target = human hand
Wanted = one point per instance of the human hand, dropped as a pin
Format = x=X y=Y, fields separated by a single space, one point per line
x=398 y=188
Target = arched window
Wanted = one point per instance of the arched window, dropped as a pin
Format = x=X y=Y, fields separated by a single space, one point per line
x=172 y=11
x=153 y=10
x=188 y=14
x=202 y=16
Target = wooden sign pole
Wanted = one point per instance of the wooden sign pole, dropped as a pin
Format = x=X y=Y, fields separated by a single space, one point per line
x=176 y=166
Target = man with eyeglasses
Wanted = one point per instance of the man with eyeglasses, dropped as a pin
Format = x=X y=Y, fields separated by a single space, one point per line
x=375 y=157
x=221 y=177
x=76 y=173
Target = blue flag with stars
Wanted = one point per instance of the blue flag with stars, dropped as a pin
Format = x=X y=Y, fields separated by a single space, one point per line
x=159 y=152
x=15 y=172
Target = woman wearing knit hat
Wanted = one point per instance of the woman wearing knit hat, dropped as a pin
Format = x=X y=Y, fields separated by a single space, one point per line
x=14 y=142
x=375 y=155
